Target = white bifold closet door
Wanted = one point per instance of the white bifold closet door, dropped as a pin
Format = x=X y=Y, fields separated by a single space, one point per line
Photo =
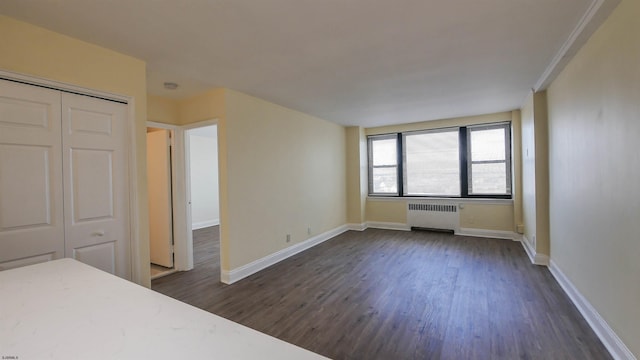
x=31 y=210
x=63 y=179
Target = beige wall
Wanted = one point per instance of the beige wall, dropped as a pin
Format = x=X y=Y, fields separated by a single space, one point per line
x=386 y=211
x=286 y=172
x=444 y=123
x=476 y=215
x=516 y=167
x=594 y=124
x=528 y=171
x=542 y=172
x=357 y=174
x=280 y=171
x=535 y=172
x=487 y=216
x=163 y=110
x=209 y=105
x=34 y=51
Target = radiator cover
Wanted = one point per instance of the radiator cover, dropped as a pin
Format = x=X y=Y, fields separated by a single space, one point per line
x=433 y=215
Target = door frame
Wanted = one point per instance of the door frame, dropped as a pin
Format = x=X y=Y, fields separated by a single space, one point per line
x=183 y=253
x=163 y=250
x=187 y=189
x=136 y=272
x=181 y=191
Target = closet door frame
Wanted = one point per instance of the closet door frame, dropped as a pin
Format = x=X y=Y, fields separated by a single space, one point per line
x=130 y=128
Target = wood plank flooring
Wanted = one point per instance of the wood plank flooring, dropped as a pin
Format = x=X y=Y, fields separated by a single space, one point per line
x=381 y=294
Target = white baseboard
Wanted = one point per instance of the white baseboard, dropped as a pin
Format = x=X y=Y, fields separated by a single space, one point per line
x=231 y=276
x=537 y=259
x=204 y=224
x=388 y=226
x=497 y=234
x=611 y=341
x=357 y=227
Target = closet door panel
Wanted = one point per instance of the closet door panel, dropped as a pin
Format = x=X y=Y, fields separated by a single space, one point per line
x=95 y=183
x=31 y=198
x=92 y=174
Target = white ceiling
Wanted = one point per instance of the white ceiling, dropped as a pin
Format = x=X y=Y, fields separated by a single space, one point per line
x=353 y=62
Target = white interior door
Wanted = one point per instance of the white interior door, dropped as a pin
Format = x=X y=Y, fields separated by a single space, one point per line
x=96 y=195
x=159 y=185
x=31 y=217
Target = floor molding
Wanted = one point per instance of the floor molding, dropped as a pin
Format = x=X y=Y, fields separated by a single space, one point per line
x=499 y=234
x=234 y=275
x=388 y=226
x=611 y=341
x=204 y=224
x=536 y=259
x=357 y=227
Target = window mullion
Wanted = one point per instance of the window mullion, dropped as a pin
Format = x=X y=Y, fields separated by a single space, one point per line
x=464 y=167
x=400 y=164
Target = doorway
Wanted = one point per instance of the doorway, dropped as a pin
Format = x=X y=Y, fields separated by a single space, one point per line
x=203 y=173
x=201 y=147
x=159 y=184
x=191 y=206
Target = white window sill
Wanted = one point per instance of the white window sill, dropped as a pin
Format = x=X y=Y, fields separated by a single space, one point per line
x=442 y=200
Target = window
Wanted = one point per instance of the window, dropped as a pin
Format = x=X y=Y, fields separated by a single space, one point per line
x=488 y=162
x=469 y=161
x=383 y=169
x=432 y=163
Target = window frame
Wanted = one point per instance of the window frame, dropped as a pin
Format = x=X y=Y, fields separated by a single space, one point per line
x=401 y=140
x=507 y=160
x=398 y=166
x=464 y=149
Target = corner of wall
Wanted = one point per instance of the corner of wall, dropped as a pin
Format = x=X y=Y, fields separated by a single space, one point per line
x=541 y=171
x=516 y=164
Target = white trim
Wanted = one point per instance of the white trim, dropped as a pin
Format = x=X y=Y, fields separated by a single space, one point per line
x=136 y=268
x=536 y=259
x=185 y=189
x=541 y=259
x=611 y=341
x=531 y=253
x=183 y=259
x=234 y=275
x=182 y=226
x=200 y=124
x=205 y=224
x=495 y=234
x=134 y=209
x=596 y=13
x=440 y=200
x=163 y=274
x=388 y=226
x=357 y=227
x=58 y=85
x=159 y=125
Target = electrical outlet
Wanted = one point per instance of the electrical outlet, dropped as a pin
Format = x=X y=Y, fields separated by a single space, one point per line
x=309 y=230
x=288 y=237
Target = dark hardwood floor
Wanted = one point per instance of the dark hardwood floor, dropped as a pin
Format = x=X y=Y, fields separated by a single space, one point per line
x=381 y=294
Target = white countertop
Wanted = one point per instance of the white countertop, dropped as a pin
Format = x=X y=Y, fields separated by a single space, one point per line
x=64 y=309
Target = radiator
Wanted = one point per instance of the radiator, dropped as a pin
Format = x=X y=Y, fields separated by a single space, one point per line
x=433 y=215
